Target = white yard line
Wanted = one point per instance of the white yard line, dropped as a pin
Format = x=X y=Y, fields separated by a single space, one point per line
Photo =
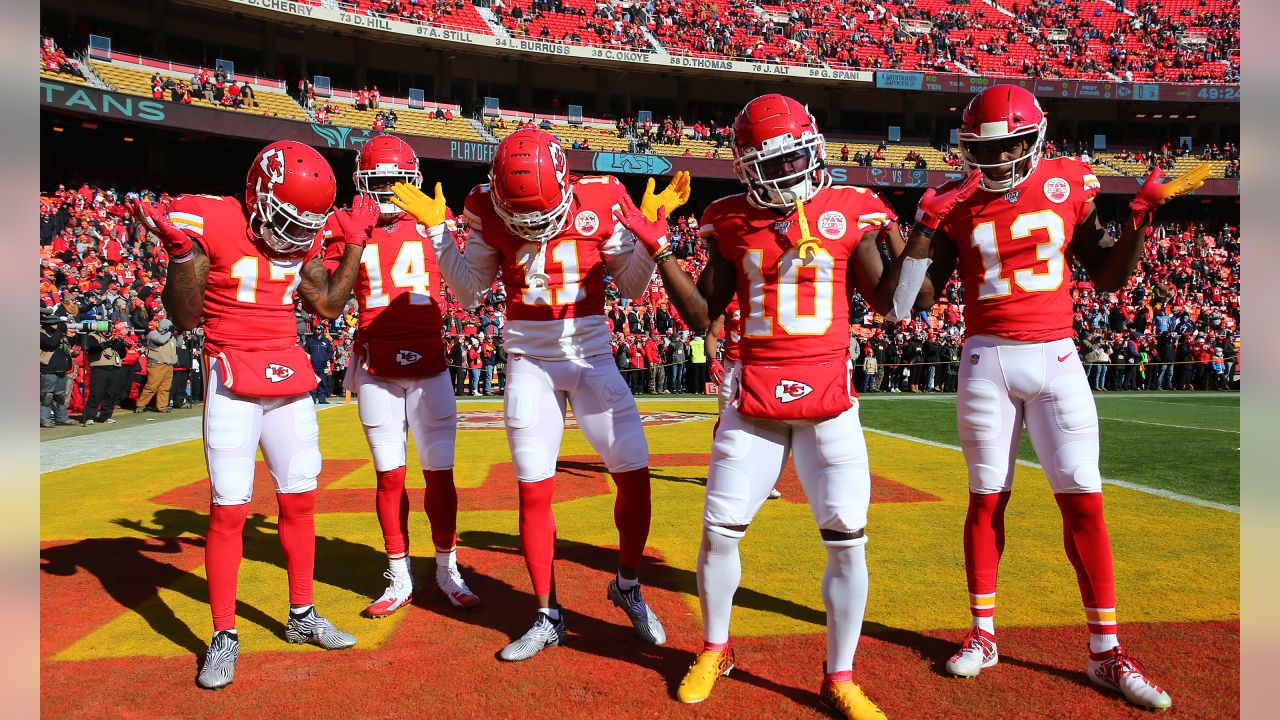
x=70 y=452
x=1169 y=425
x=1231 y=406
x=1166 y=494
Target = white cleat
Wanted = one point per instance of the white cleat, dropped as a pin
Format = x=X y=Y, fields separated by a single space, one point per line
x=220 y=661
x=643 y=621
x=398 y=594
x=1117 y=670
x=450 y=582
x=314 y=629
x=977 y=652
x=545 y=633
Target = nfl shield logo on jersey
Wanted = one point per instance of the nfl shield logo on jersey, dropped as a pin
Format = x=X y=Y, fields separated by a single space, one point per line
x=587 y=222
x=276 y=372
x=407 y=357
x=790 y=390
x=782 y=226
x=1012 y=197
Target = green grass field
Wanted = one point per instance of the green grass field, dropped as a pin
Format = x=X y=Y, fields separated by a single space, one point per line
x=1185 y=443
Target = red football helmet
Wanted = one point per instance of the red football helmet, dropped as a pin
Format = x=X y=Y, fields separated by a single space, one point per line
x=289 y=194
x=998 y=113
x=778 y=152
x=386 y=159
x=530 y=185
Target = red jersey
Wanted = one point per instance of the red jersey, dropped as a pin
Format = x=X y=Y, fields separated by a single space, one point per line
x=248 y=301
x=1014 y=252
x=565 y=318
x=795 y=310
x=400 y=325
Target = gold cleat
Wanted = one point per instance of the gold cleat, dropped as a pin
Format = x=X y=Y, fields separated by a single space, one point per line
x=848 y=699
x=702 y=674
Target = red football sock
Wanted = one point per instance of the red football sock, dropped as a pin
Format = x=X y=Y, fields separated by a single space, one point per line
x=298 y=538
x=393 y=512
x=222 y=552
x=983 y=544
x=441 y=502
x=1088 y=545
x=631 y=511
x=538 y=531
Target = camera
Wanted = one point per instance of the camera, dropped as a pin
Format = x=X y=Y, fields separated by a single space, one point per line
x=48 y=316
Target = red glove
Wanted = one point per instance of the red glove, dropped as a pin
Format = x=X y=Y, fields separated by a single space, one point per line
x=357 y=223
x=935 y=207
x=717 y=371
x=175 y=242
x=1154 y=193
x=652 y=234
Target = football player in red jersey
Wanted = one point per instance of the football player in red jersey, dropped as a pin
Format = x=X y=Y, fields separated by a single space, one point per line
x=236 y=267
x=401 y=375
x=791 y=249
x=1013 y=228
x=553 y=237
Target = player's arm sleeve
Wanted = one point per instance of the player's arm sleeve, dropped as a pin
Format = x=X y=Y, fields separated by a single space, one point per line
x=188 y=214
x=468 y=274
x=630 y=265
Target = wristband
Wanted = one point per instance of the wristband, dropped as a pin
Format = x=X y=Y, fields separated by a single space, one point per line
x=664 y=256
x=188 y=257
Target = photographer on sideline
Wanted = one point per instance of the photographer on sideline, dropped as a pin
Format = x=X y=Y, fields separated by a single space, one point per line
x=55 y=365
x=162 y=355
x=105 y=349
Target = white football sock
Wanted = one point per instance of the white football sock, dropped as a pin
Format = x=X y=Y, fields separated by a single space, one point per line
x=400 y=567
x=299 y=611
x=987 y=624
x=625 y=584
x=1102 y=643
x=446 y=560
x=719 y=573
x=553 y=613
x=844 y=592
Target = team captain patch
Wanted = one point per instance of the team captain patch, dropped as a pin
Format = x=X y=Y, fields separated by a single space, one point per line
x=1057 y=190
x=831 y=225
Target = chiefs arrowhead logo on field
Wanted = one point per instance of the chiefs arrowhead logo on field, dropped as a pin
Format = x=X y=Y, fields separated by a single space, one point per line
x=276 y=372
x=273 y=165
x=790 y=390
x=407 y=357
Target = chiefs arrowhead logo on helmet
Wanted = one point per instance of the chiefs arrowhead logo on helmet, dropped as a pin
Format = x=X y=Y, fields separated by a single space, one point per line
x=790 y=390
x=276 y=372
x=407 y=357
x=273 y=165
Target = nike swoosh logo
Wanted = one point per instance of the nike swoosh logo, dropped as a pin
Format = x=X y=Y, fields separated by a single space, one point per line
x=1063 y=358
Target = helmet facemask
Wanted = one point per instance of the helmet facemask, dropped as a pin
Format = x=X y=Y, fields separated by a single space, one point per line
x=386 y=175
x=537 y=226
x=784 y=170
x=281 y=226
x=1019 y=169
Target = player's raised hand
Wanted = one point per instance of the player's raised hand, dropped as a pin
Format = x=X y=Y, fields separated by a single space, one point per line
x=357 y=222
x=175 y=242
x=430 y=211
x=934 y=206
x=652 y=234
x=1154 y=193
x=675 y=194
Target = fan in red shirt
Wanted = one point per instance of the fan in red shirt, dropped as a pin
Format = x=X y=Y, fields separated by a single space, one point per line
x=792 y=248
x=235 y=267
x=399 y=371
x=1013 y=228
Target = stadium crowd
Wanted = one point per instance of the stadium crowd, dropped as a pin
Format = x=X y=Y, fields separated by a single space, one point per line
x=1040 y=38
x=1174 y=326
